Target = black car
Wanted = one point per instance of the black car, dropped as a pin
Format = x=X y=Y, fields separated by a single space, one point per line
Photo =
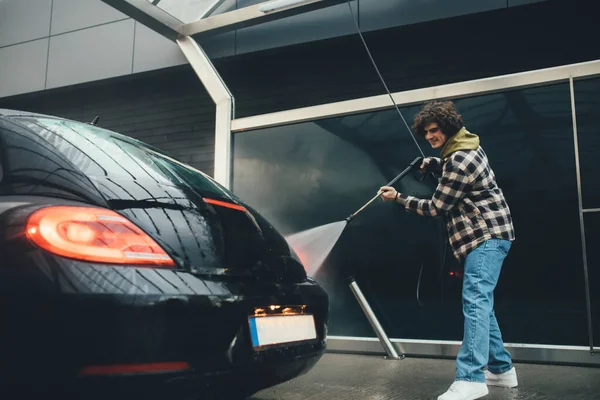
x=123 y=270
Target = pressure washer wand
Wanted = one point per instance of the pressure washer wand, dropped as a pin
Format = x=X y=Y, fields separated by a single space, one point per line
x=396 y=179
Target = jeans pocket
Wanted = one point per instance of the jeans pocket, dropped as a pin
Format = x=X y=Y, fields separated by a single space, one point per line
x=502 y=245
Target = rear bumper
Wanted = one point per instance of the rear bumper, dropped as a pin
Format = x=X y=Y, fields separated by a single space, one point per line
x=51 y=336
x=233 y=384
x=242 y=380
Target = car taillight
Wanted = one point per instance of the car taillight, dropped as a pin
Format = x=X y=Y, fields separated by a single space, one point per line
x=94 y=234
x=225 y=204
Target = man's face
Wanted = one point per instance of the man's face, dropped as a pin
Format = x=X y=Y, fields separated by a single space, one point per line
x=434 y=135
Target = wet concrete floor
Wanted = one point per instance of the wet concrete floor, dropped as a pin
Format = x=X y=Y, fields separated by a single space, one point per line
x=356 y=377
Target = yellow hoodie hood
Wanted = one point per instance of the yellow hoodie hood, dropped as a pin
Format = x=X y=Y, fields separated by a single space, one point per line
x=463 y=140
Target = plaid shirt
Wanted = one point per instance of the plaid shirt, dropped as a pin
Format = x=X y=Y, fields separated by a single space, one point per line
x=468 y=196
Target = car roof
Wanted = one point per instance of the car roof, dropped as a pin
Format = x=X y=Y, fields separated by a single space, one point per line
x=17 y=113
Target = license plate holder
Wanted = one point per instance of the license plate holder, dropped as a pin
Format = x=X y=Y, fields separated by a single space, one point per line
x=281 y=330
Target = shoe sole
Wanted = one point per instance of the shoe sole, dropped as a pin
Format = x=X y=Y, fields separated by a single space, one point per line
x=476 y=396
x=502 y=384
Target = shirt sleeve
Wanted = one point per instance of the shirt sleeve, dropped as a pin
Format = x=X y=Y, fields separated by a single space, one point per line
x=453 y=186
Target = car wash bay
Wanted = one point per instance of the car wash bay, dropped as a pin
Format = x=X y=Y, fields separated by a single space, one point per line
x=324 y=136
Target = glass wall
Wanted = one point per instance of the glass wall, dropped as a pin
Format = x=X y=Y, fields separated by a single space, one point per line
x=587 y=106
x=309 y=174
x=592 y=233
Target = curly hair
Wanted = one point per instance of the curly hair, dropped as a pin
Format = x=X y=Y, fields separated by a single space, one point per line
x=441 y=112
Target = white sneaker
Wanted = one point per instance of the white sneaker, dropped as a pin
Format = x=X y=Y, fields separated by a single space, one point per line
x=463 y=390
x=507 y=379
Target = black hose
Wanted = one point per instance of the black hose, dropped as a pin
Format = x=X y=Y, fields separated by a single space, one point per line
x=443 y=255
x=381 y=77
x=419 y=285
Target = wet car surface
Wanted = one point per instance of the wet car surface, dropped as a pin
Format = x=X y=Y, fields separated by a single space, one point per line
x=124 y=270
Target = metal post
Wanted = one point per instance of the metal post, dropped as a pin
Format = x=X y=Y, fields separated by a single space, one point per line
x=588 y=302
x=383 y=338
x=224 y=103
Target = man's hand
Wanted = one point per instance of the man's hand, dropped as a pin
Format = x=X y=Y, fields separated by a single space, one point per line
x=425 y=163
x=388 y=193
x=433 y=165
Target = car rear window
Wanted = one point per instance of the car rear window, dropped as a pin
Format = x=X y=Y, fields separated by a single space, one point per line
x=100 y=152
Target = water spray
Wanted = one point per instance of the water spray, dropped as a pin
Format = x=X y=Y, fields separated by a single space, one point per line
x=314 y=245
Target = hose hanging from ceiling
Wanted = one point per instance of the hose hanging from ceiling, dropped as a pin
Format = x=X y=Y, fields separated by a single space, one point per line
x=443 y=255
x=381 y=77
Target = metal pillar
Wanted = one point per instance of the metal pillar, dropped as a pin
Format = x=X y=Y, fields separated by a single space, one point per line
x=364 y=304
x=588 y=302
x=224 y=102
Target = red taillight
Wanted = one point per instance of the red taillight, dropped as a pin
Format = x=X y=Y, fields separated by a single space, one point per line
x=94 y=234
x=225 y=204
x=135 y=368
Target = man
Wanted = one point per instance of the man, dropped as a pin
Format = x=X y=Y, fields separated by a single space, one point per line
x=480 y=232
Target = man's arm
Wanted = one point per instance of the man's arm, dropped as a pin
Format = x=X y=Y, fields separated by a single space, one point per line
x=455 y=183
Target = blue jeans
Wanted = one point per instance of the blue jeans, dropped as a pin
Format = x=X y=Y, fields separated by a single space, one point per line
x=482 y=342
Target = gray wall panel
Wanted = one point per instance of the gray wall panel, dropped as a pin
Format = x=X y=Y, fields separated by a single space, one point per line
x=23 y=67
x=91 y=54
x=315 y=25
x=69 y=15
x=26 y=20
x=378 y=14
x=153 y=51
x=23 y=20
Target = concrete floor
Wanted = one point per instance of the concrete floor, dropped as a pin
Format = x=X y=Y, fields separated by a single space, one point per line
x=355 y=377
